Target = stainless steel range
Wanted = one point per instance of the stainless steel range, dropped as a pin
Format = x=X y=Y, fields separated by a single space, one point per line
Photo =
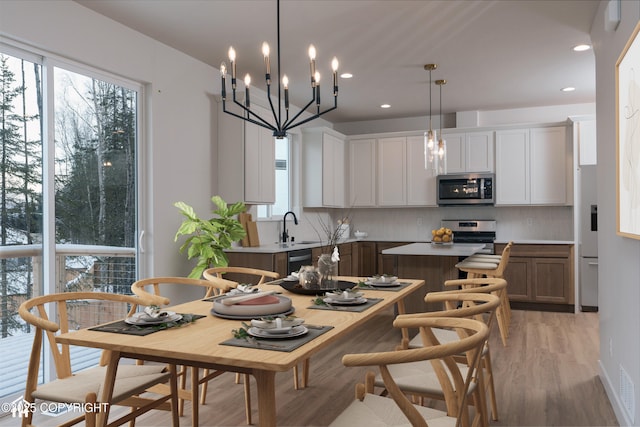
x=473 y=231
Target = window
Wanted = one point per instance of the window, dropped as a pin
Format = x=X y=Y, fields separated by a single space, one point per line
x=283 y=182
x=68 y=180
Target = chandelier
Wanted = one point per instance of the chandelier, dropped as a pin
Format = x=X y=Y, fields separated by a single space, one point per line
x=277 y=123
x=429 y=136
x=441 y=149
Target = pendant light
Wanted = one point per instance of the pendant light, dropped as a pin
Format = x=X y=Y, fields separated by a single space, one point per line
x=441 y=151
x=429 y=135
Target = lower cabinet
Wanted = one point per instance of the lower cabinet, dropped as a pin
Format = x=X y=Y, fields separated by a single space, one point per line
x=272 y=262
x=541 y=274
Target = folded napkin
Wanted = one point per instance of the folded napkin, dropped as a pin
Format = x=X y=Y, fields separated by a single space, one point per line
x=253 y=297
x=155 y=312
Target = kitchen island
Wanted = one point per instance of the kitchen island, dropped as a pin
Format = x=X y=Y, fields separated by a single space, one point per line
x=433 y=263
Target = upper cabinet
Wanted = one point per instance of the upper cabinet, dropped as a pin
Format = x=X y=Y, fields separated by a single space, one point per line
x=246 y=160
x=469 y=151
x=402 y=177
x=533 y=166
x=392 y=171
x=323 y=168
x=362 y=172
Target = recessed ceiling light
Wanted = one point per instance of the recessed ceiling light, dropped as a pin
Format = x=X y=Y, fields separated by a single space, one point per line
x=385 y=106
x=581 y=47
x=568 y=89
x=346 y=75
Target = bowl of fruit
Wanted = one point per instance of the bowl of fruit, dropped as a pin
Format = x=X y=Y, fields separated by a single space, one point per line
x=442 y=236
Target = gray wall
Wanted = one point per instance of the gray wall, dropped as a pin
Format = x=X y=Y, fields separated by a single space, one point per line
x=619 y=257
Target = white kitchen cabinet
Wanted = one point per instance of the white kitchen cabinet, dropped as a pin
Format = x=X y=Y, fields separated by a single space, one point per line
x=323 y=168
x=392 y=171
x=469 y=151
x=246 y=160
x=532 y=166
x=421 y=183
x=362 y=172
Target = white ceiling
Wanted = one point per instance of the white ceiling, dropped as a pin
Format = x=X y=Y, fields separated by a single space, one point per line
x=494 y=54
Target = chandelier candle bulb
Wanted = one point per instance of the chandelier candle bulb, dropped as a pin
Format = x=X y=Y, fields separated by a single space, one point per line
x=317 y=78
x=223 y=72
x=312 y=58
x=232 y=59
x=285 y=83
x=247 y=83
x=334 y=67
x=267 y=63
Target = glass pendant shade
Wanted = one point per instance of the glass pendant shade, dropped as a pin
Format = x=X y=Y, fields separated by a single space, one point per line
x=441 y=150
x=430 y=139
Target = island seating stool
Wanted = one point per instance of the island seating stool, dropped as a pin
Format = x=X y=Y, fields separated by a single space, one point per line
x=478 y=268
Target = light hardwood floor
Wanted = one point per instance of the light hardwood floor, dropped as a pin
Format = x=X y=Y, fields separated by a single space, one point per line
x=546 y=376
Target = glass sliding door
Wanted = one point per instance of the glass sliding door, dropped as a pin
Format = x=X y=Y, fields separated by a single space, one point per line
x=68 y=199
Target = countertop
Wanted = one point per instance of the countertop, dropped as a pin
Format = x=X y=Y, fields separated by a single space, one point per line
x=277 y=247
x=456 y=249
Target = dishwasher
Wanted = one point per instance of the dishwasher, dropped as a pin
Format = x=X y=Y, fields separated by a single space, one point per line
x=297 y=259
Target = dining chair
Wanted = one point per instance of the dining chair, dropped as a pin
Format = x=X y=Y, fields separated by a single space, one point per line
x=109 y=383
x=480 y=285
x=369 y=409
x=423 y=380
x=479 y=267
x=150 y=289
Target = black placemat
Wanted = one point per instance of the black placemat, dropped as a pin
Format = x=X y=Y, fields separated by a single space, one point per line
x=286 y=344
x=122 y=327
x=355 y=308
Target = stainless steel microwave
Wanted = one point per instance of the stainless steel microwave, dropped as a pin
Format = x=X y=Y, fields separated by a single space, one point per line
x=466 y=189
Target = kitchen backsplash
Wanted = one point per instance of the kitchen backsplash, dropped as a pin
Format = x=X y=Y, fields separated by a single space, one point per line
x=415 y=224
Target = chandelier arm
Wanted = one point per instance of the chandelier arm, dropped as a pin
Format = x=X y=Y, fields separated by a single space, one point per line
x=287 y=124
x=315 y=116
x=265 y=125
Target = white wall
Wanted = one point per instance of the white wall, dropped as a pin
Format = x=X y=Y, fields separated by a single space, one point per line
x=619 y=258
x=180 y=135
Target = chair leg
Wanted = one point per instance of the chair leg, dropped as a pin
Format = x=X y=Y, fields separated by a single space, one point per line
x=502 y=325
x=203 y=390
x=247 y=398
x=490 y=385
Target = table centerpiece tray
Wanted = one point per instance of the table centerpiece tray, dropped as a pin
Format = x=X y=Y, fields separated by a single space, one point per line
x=296 y=288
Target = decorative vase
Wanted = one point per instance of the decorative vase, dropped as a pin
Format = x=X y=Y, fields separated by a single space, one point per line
x=309 y=277
x=328 y=270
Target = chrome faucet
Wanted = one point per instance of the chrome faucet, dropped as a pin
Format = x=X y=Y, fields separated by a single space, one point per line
x=285 y=234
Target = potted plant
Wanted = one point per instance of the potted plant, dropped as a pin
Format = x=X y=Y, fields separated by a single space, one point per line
x=208 y=238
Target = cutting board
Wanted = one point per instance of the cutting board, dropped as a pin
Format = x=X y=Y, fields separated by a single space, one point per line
x=252 y=231
x=244 y=218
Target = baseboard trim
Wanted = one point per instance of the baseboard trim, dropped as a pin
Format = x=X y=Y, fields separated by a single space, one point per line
x=536 y=306
x=613 y=397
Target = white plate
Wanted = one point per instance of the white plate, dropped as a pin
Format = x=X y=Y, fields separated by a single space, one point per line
x=141 y=319
x=340 y=296
x=356 y=301
x=382 y=284
x=296 y=331
x=281 y=305
x=271 y=326
x=245 y=316
x=291 y=279
x=382 y=279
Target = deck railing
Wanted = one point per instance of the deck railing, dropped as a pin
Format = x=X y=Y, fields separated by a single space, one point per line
x=77 y=268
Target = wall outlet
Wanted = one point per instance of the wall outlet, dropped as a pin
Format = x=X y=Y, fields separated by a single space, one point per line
x=611 y=347
x=529 y=222
x=419 y=222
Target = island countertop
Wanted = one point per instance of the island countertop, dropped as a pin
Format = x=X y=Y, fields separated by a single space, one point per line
x=456 y=249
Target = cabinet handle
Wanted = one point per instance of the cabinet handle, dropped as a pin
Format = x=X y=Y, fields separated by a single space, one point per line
x=592 y=263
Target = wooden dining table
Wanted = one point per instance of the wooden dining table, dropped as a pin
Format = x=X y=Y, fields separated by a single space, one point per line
x=198 y=344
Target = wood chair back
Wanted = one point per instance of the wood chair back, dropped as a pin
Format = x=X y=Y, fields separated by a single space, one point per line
x=246 y=274
x=149 y=288
x=473 y=335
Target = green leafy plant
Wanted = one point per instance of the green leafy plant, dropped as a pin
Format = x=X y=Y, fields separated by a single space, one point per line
x=208 y=238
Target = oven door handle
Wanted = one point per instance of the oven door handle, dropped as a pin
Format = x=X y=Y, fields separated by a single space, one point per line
x=300 y=258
